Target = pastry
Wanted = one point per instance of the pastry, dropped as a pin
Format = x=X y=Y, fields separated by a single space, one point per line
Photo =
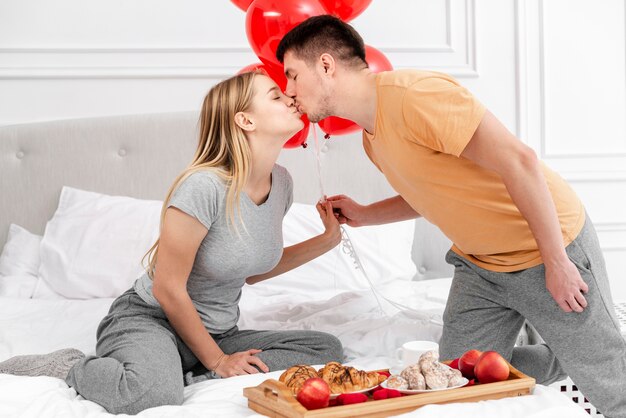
x=397 y=382
x=295 y=376
x=429 y=373
x=435 y=373
x=343 y=379
x=455 y=377
x=414 y=377
x=436 y=376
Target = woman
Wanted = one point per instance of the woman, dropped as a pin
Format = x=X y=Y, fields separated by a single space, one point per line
x=221 y=227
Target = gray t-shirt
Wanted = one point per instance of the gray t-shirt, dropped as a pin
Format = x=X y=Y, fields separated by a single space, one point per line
x=225 y=259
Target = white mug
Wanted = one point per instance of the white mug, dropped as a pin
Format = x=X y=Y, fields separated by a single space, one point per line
x=411 y=351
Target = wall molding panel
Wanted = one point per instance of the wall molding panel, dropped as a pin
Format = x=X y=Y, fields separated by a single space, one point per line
x=456 y=55
x=590 y=161
x=128 y=62
x=612 y=236
x=101 y=53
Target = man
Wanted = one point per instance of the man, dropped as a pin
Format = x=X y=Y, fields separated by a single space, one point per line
x=523 y=245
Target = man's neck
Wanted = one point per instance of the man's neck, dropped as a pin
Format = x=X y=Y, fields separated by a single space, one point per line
x=357 y=99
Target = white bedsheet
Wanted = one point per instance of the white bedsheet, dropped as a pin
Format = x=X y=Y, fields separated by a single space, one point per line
x=369 y=336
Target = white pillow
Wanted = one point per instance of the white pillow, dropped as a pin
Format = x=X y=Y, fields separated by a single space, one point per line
x=18 y=286
x=44 y=291
x=384 y=251
x=20 y=254
x=19 y=263
x=93 y=245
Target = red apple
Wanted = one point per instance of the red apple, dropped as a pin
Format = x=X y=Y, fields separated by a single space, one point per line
x=491 y=367
x=315 y=393
x=467 y=362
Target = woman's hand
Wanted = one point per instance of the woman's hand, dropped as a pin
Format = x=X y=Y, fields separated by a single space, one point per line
x=296 y=255
x=332 y=231
x=238 y=364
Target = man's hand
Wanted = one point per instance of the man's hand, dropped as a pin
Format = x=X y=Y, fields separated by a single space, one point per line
x=564 y=283
x=347 y=211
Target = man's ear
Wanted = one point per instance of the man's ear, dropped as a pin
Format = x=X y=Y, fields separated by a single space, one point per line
x=244 y=122
x=328 y=63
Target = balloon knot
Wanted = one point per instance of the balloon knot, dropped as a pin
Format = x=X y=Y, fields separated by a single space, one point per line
x=327 y=136
x=304 y=145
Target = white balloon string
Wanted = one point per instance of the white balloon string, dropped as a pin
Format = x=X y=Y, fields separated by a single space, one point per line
x=348 y=248
x=319 y=163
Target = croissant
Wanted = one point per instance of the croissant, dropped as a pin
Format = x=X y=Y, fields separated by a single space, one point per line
x=363 y=380
x=342 y=379
x=337 y=377
x=331 y=372
x=295 y=376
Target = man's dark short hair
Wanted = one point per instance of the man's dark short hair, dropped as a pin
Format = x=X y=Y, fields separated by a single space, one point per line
x=324 y=33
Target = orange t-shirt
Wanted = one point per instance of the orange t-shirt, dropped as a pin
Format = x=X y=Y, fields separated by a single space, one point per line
x=424 y=120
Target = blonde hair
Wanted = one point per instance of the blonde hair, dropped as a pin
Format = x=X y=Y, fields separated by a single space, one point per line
x=222 y=147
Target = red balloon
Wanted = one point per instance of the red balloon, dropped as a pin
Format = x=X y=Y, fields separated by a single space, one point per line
x=299 y=139
x=376 y=60
x=267 y=21
x=332 y=125
x=345 y=9
x=242 y=4
x=276 y=74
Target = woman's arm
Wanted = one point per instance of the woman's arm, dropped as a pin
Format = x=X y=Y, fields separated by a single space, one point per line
x=301 y=253
x=179 y=242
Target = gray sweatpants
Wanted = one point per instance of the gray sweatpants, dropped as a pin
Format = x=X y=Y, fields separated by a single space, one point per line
x=486 y=310
x=140 y=361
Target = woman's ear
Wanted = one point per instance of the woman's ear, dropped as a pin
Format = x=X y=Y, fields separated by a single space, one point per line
x=244 y=122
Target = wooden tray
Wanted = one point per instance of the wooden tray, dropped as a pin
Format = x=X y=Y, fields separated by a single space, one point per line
x=273 y=399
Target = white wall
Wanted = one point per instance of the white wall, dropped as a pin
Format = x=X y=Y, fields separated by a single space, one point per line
x=554 y=71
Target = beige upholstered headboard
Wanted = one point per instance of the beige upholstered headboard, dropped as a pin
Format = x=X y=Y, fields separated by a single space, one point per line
x=139 y=156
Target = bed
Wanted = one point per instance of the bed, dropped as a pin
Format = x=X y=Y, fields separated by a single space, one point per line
x=81 y=192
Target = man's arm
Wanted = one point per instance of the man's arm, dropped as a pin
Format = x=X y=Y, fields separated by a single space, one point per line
x=494 y=148
x=385 y=211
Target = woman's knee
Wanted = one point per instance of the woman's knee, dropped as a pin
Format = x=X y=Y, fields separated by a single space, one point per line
x=333 y=348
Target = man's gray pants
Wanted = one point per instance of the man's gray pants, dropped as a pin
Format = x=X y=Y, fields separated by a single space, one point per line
x=141 y=362
x=486 y=310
